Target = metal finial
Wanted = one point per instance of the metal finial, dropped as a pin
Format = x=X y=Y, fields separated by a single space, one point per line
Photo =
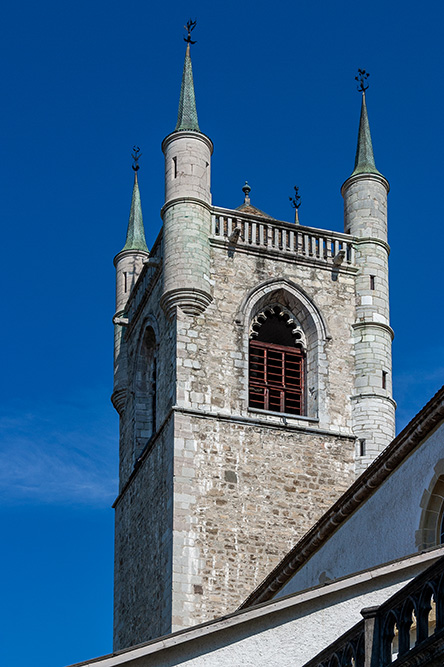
x=189 y=27
x=296 y=202
x=136 y=154
x=362 y=80
x=246 y=190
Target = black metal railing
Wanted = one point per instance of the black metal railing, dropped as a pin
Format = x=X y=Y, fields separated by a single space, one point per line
x=407 y=629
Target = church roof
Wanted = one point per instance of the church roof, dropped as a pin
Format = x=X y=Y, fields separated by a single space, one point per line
x=247 y=207
x=135 y=236
x=187 y=115
x=366 y=484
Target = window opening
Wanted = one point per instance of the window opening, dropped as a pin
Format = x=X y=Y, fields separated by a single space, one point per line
x=431 y=618
x=175 y=167
x=362 y=447
x=277 y=363
x=145 y=392
x=372 y=282
x=125 y=282
x=384 y=379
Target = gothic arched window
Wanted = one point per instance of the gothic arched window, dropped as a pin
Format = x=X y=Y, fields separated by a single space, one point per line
x=145 y=391
x=277 y=362
x=431 y=526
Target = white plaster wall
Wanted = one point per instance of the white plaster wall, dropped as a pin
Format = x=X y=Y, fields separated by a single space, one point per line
x=284 y=633
x=383 y=528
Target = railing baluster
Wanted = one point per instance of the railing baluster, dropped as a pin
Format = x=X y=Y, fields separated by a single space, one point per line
x=352 y=253
x=282 y=237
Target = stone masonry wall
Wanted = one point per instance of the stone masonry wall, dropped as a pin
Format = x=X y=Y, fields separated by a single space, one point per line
x=144 y=510
x=243 y=497
x=247 y=486
x=143 y=549
x=212 y=350
x=165 y=332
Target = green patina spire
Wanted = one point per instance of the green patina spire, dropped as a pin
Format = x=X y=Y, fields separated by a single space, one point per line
x=135 y=236
x=364 y=160
x=187 y=116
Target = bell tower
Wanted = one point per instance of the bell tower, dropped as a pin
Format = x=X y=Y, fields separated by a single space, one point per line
x=249 y=368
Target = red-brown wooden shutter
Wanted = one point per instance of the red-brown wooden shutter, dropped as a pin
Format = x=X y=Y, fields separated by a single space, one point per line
x=276 y=378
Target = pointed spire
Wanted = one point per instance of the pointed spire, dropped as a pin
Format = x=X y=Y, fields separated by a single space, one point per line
x=187 y=116
x=364 y=160
x=135 y=236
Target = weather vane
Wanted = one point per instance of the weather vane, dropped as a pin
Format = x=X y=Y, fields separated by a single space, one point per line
x=189 y=27
x=136 y=155
x=296 y=202
x=362 y=80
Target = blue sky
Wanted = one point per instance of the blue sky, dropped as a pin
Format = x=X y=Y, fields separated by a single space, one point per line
x=275 y=90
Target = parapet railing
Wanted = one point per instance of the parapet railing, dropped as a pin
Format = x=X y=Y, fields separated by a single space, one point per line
x=408 y=629
x=259 y=233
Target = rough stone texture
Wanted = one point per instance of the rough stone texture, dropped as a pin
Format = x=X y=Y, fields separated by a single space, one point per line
x=144 y=508
x=143 y=548
x=242 y=497
x=187 y=218
x=221 y=492
x=365 y=217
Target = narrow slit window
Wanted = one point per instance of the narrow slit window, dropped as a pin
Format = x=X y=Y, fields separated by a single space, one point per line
x=125 y=282
x=384 y=379
x=175 y=167
x=362 y=447
x=372 y=282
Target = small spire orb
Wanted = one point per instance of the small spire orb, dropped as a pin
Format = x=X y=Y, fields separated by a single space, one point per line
x=246 y=190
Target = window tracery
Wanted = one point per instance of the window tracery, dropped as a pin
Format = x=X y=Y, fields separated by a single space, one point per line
x=277 y=361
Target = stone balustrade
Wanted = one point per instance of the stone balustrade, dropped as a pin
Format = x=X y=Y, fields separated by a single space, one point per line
x=255 y=232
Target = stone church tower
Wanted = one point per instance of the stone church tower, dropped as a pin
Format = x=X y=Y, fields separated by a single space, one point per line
x=252 y=380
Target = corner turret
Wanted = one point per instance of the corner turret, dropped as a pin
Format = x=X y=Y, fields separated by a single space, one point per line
x=129 y=264
x=187 y=213
x=365 y=218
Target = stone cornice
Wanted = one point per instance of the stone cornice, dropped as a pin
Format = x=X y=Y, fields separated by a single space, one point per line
x=187 y=134
x=368 y=394
x=261 y=251
x=240 y=419
x=184 y=200
x=373 y=477
x=370 y=323
x=361 y=240
x=126 y=253
x=379 y=178
x=305 y=426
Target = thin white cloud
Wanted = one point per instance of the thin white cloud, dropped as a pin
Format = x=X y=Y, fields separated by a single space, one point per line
x=59 y=453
